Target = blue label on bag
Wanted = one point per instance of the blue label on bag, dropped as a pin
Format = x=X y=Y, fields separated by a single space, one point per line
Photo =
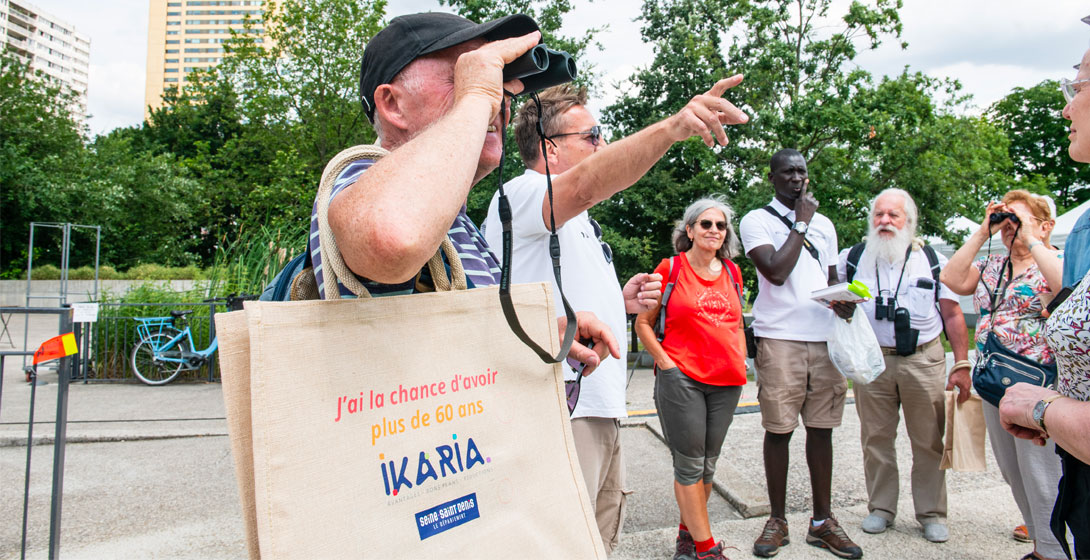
x=448 y=515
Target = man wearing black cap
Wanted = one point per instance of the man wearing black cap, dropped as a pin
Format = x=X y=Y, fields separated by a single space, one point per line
x=431 y=84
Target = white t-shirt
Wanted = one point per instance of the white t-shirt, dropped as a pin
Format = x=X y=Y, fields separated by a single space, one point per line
x=590 y=282
x=786 y=312
x=917 y=292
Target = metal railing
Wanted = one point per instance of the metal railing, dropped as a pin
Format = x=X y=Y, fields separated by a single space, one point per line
x=112 y=338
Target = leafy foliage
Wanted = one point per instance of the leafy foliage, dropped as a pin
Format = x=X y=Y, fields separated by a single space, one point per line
x=803 y=91
x=1032 y=120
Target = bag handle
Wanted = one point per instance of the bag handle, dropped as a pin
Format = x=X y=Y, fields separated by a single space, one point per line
x=333 y=266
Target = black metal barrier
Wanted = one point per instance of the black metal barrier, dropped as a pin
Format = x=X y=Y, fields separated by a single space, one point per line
x=65 y=370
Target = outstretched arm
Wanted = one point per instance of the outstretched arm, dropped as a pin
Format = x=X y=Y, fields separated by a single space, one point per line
x=619 y=165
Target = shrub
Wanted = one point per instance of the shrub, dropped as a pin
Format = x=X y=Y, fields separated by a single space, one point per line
x=45 y=272
x=160 y=272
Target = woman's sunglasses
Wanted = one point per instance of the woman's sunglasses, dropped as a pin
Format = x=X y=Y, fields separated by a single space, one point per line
x=707 y=224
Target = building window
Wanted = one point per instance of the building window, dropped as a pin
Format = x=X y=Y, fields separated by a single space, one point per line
x=169 y=14
x=174 y=23
x=171 y=61
x=173 y=41
x=172 y=70
x=170 y=80
x=175 y=32
x=172 y=51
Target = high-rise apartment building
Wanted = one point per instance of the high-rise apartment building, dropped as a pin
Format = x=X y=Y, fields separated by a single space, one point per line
x=48 y=44
x=184 y=35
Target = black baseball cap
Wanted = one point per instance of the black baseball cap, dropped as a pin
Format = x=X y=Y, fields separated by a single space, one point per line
x=410 y=36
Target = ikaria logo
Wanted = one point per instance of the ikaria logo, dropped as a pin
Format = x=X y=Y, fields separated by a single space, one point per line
x=451 y=460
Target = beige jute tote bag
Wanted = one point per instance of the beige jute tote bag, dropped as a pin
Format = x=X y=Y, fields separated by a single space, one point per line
x=404 y=426
x=965 y=432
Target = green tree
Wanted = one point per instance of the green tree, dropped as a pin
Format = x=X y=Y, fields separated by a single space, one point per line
x=144 y=202
x=299 y=97
x=41 y=153
x=803 y=91
x=1033 y=121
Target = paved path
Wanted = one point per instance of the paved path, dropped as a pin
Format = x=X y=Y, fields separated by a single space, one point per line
x=149 y=475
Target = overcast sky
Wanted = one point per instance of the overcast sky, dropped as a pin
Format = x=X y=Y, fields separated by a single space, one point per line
x=992 y=46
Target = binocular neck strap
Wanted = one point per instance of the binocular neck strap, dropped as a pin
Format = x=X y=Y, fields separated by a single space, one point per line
x=878 y=279
x=554 y=252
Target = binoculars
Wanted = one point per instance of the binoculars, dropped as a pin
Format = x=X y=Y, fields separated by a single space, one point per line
x=885 y=308
x=998 y=217
x=540 y=68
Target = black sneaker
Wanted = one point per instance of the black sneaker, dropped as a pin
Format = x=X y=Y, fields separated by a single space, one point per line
x=686 y=548
x=831 y=536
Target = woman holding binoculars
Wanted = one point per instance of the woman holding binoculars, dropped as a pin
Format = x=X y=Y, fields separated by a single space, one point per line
x=1011 y=291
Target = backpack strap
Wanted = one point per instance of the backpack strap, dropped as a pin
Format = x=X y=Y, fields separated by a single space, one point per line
x=854 y=254
x=805 y=242
x=735 y=279
x=933 y=261
x=675 y=269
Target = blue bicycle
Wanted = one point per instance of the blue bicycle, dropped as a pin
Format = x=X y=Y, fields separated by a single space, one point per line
x=163 y=351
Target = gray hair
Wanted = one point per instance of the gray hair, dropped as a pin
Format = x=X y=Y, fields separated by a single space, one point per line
x=912 y=214
x=682 y=243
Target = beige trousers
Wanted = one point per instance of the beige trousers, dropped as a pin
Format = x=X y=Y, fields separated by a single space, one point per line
x=598 y=445
x=915 y=384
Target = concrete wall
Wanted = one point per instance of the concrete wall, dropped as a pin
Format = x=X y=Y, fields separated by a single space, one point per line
x=45 y=292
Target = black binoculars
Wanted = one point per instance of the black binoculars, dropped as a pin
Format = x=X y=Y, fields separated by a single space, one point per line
x=1000 y=216
x=885 y=308
x=540 y=68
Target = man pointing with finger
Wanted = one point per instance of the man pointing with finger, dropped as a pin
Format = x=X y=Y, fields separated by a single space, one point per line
x=584 y=171
x=794 y=249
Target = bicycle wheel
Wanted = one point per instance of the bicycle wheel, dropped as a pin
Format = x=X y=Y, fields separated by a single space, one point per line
x=143 y=358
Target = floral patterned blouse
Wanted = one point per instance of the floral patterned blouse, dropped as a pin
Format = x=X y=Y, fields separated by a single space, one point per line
x=1018 y=320
x=1068 y=335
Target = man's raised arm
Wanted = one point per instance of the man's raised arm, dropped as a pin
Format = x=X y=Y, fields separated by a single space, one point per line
x=390 y=222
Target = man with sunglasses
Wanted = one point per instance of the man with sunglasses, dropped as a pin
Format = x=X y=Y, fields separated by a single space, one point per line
x=584 y=171
x=794 y=249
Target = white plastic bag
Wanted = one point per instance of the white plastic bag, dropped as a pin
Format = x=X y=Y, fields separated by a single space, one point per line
x=854 y=349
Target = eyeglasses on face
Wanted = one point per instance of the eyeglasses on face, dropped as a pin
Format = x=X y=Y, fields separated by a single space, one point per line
x=1072 y=88
x=594 y=135
x=707 y=224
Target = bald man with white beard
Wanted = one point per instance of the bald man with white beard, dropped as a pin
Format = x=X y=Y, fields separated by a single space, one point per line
x=895 y=267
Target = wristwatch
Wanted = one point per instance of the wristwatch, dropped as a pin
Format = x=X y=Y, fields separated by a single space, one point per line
x=801 y=227
x=1039 y=411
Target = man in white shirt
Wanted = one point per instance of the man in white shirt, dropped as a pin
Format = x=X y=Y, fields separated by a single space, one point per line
x=794 y=250
x=897 y=270
x=585 y=171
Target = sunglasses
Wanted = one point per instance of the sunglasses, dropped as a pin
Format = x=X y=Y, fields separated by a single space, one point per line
x=594 y=135
x=607 y=251
x=707 y=224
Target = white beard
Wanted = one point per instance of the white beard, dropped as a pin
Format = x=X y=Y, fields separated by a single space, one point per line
x=892 y=249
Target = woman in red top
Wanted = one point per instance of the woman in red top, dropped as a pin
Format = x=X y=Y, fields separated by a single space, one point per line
x=700 y=362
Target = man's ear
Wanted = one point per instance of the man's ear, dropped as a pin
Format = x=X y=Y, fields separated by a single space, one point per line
x=389 y=103
x=551 y=153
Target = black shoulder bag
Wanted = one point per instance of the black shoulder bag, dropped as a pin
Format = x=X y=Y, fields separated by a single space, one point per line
x=998 y=367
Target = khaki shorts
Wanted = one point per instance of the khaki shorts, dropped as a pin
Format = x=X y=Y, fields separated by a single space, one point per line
x=796 y=378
